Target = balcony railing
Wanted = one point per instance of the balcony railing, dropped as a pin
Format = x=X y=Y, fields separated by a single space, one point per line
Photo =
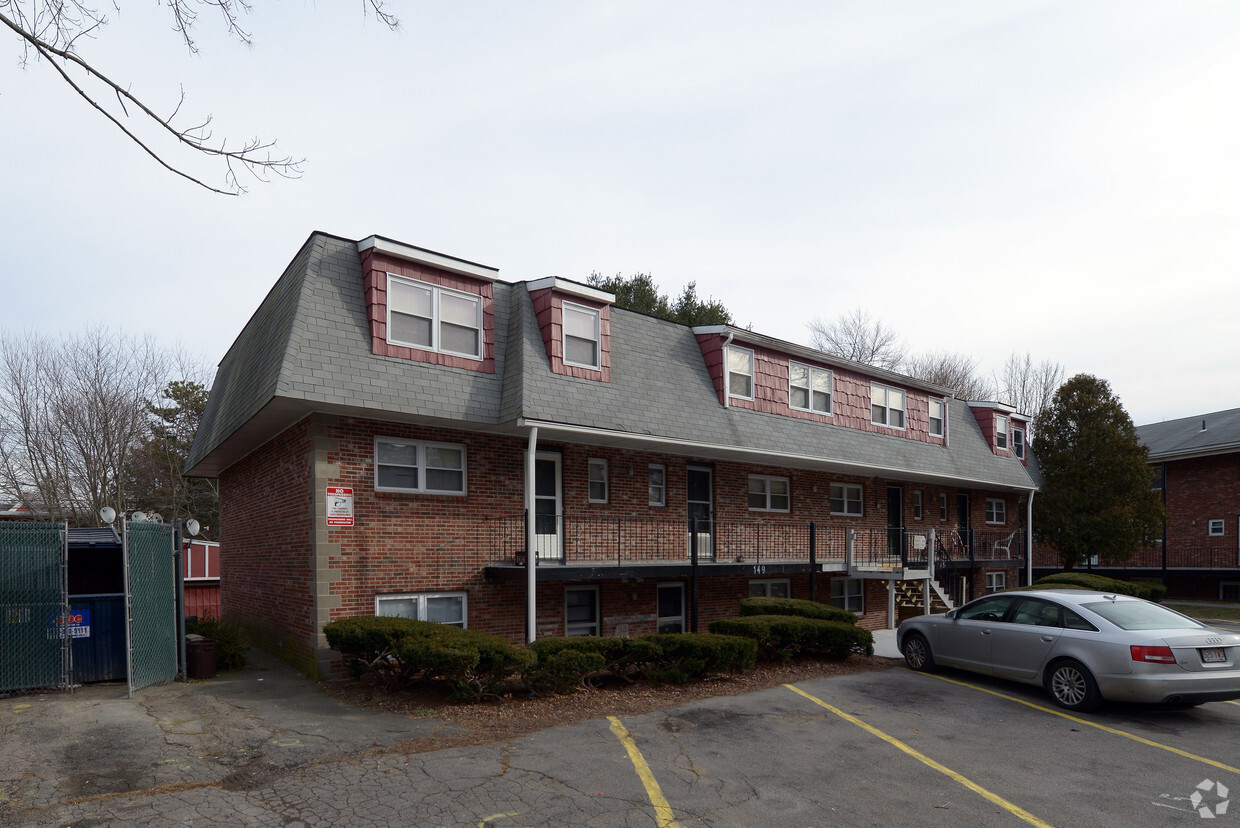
x=909 y=548
x=1151 y=557
x=584 y=541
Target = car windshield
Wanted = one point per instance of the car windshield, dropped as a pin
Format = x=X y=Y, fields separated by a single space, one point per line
x=1141 y=615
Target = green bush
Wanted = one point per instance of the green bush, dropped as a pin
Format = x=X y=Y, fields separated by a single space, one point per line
x=621 y=656
x=788 y=636
x=682 y=657
x=1101 y=583
x=369 y=644
x=561 y=671
x=796 y=606
x=230 y=634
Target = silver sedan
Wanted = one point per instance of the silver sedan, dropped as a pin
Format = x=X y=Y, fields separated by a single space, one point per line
x=1083 y=647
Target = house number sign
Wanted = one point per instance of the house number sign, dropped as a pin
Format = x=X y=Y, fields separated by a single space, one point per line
x=339 y=506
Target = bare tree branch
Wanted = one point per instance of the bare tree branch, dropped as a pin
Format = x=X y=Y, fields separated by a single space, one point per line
x=1029 y=387
x=956 y=371
x=855 y=336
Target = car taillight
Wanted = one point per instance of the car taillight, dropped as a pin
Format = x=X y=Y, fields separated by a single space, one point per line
x=1157 y=655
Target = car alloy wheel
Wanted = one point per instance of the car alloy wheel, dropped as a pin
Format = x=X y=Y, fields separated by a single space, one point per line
x=917 y=652
x=1071 y=685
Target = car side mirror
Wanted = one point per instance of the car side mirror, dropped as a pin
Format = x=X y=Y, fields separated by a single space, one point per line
x=952 y=614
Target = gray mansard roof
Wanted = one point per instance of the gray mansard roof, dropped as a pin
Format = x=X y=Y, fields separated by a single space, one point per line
x=307 y=348
x=1217 y=433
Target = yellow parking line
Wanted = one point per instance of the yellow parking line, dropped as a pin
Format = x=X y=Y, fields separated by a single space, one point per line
x=921 y=757
x=662 y=811
x=1078 y=720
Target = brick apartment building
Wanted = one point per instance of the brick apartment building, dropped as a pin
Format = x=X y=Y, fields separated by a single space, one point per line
x=389 y=416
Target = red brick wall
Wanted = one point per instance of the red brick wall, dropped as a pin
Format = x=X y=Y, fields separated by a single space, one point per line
x=265 y=552
x=850 y=392
x=1198 y=491
x=376 y=266
x=549 y=310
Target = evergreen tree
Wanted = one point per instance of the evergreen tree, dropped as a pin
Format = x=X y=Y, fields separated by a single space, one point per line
x=640 y=293
x=1097 y=494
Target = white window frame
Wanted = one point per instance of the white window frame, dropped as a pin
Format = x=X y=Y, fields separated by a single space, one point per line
x=583 y=628
x=1215 y=528
x=658 y=491
x=437 y=293
x=768 y=493
x=996 y=581
x=766 y=583
x=942 y=506
x=848 y=594
x=597 y=464
x=942 y=418
x=596 y=315
x=917 y=511
x=880 y=397
x=812 y=373
x=422 y=446
x=1001 y=431
x=421 y=600
x=1018 y=442
x=996 y=511
x=661 y=620
x=727 y=355
x=846 y=488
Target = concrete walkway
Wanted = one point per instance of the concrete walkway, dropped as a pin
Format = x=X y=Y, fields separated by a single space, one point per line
x=885 y=644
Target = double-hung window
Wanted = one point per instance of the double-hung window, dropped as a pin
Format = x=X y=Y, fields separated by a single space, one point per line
x=1215 y=528
x=1001 y=431
x=846 y=499
x=996 y=581
x=440 y=607
x=769 y=494
x=886 y=406
x=942 y=505
x=419 y=466
x=740 y=372
x=848 y=594
x=598 y=480
x=773 y=588
x=809 y=388
x=937 y=411
x=658 y=484
x=996 y=510
x=1018 y=442
x=581 y=612
x=434 y=318
x=581 y=336
x=917 y=505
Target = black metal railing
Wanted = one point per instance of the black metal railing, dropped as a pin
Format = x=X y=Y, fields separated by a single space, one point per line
x=1152 y=557
x=911 y=547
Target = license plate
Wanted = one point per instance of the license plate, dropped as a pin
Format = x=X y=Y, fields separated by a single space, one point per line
x=1212 y=655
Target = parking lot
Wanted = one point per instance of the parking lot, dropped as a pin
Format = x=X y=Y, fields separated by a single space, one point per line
x=878 y=748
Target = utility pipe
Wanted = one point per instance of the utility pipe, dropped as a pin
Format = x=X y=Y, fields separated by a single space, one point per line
x=531 y=554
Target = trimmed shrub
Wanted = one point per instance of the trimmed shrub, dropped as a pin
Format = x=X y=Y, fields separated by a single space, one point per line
x=788 y=636
x=796 y=606
x=561 y=671
x=369 y=644
x=1101 y=583
x=620 y=656
x=683 y=657
x=230 y=635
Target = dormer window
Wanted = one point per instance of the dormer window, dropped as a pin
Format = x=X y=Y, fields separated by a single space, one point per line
x=740 y=372
x=1001 y=431
x=1018 y=442
x=886 y=406
x=809 y=389
x=434 y=318
x=581 y=336
x=936 y=417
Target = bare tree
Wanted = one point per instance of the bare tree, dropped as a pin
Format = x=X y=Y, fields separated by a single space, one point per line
x=853 y=335
x=1029 y=387
x=71 y=413
x=54 y=30
x=956 y=371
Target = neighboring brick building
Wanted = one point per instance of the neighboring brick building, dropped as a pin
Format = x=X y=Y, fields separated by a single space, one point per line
x=372 y=430
x=1196 y=464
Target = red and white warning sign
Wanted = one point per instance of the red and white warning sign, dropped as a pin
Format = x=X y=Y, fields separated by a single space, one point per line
x=339 y=506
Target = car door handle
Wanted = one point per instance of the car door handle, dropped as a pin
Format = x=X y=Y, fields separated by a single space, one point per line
x=985 y=632
x=1048 y=638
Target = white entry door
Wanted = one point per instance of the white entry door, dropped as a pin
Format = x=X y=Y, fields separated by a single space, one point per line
x=548 y=505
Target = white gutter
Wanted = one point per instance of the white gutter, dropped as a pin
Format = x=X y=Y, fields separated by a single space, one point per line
x=531 y=555
x=610 y=437
x=727 y=378
x=1029 y=537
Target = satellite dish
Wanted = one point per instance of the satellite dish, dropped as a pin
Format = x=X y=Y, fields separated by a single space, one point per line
x=191 y=526
x=155 y=517
x=107 y=514
x=138 y=517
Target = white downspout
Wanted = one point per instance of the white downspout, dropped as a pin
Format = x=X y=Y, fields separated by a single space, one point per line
x=531 y=554
x=1029 y=538
x=727 y=374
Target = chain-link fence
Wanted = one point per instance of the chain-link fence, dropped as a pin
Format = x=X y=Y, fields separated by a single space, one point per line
x=151 y=576
x=34 y=622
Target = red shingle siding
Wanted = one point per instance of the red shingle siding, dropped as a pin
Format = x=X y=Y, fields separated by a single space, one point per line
x=376 y=267
x=549 y=310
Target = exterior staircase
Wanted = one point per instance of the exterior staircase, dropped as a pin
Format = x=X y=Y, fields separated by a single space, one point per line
x=909 y=596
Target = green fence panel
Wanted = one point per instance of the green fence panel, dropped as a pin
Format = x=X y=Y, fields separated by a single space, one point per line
x=150 y=568
x=33 y=626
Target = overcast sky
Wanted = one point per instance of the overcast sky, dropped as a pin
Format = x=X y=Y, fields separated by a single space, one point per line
x=1057 y=178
